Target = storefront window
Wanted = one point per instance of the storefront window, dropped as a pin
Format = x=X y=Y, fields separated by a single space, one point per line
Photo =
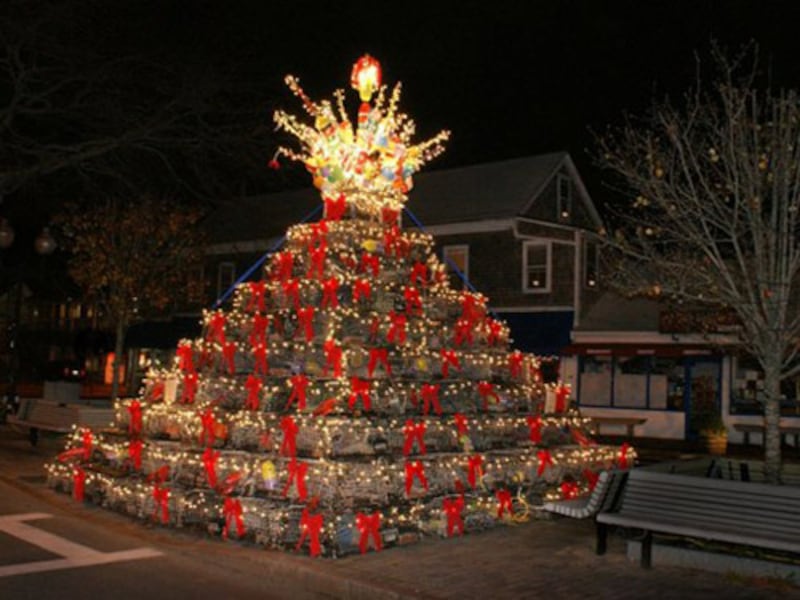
x=747 y=389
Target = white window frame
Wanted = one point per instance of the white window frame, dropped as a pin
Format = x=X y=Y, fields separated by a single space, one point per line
x=586 y=245
x=457 y=248
x=227 y=264
x=548 y=245
x=563 y=182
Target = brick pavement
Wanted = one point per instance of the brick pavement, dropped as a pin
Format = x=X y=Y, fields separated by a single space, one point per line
x=551 y=558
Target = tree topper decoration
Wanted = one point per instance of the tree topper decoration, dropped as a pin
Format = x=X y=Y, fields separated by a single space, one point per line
x=372 y=163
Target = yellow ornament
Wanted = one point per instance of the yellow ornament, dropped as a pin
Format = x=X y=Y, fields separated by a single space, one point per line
x=370 y=245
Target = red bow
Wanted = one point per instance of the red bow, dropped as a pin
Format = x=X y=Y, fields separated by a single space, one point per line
x=333 y=358
x=504 y=503
x=189 y=389
x=290 y=430
x=210 y=458
x=330 y=291
x=78 y=483
x=135 y=424
x=449 y=358
x=414 y=431
x=256 y=300
x=463 y=332
x=229 y=354
x=369 y=525
x=208 y=422
x=379 y=356
x=535 y=429
x=545 y=460
x=415 y=469
x=472 y=307
x=430 y=397
x=260 y=356
x=569 y=490
x=310 y=526
x=135 y=453
x=87 y=444
x=461 y=424
x=474 y=469
x=319 y=233
x=591 y=477
x=562 y=395
x=335 y=207
x=232 y=509
x=283 y=265
x=291 y=293
x=486 y=391
x=258 y=332
x=299 y=385
x=305 y=316
x=622 y=461
x=253 y=386
x=419 y=274
x=495 y=329
x=515 y=363
x=185 y=358
x=359 y=389
x=297 y=474
x=361 y=289
x=413 y=300
x=453 y=508
x=394 y=242
x=317 y=257
x=397 y=328
x=216 y=328
x=389 y=216
x=370 y=262
x=161 y=501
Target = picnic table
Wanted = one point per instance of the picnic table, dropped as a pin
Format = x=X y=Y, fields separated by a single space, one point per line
x=748 y=428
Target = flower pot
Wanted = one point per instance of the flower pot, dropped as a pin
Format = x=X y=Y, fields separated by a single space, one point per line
x=717 y=444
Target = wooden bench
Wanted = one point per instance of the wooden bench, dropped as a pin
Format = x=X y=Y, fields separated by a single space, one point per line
x=735 y=512
x=628 y=422
x=748 y=428
x=604 y=497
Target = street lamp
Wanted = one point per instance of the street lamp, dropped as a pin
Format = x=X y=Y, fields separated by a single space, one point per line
x=44 y=244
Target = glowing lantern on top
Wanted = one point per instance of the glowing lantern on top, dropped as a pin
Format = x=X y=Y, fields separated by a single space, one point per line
x=366 y=77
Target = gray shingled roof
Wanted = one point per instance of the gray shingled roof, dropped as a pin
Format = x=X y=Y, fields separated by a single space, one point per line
x=494 y=190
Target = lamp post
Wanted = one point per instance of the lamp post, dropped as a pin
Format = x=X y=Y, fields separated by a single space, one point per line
x=44 y=244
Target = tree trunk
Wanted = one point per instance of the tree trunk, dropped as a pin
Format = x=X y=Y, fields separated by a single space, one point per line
x=119 y=344
x=772 y=417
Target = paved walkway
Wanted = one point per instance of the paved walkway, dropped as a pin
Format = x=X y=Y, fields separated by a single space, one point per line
x=545 y=558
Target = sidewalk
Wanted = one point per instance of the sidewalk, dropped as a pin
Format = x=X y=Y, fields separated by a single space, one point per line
x=552 y=558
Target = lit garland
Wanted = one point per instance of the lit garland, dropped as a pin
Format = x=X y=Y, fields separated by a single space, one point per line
x=350 y=399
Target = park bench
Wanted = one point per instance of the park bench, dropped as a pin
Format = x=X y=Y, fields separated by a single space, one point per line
x=604 y=497
x=628 y=422
x=785 y=430
x=734 y=512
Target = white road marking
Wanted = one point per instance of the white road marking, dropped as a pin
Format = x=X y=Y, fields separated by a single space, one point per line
x=74 y=555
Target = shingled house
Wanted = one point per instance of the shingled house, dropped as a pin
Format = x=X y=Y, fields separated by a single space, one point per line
x=520 y=231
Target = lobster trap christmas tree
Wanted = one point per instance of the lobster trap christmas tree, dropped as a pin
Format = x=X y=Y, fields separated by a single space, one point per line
x=349 y=399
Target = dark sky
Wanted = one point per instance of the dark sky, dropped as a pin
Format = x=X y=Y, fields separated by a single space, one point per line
x=508 y=78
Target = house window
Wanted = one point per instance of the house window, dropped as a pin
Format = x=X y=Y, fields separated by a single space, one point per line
x=226 y=275
x=591 y=265
x=456 y=261
x=563 y=197
x=536 y=267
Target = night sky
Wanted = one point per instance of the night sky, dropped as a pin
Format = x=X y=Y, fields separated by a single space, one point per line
x=507 y=78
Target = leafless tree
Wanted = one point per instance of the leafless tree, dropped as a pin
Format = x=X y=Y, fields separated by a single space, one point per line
x=715 y=182
x=85 y=109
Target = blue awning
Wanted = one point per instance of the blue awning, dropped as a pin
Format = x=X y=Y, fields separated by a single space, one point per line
x=541 y=333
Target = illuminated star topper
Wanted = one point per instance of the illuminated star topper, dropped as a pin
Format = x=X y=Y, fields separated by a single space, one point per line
x=371 y=163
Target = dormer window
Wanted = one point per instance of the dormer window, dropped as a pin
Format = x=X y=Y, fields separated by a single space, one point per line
x=563 y=197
